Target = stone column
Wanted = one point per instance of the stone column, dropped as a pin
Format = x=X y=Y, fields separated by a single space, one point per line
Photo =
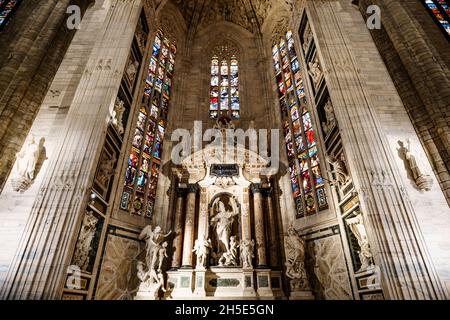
x=260 y=232
x=189 y=226
x=179 y=227
x=272 y=239
x=40 y=267
x=245 y=215
x=395 y=238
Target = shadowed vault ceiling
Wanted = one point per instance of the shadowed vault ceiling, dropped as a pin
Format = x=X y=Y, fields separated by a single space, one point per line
x=249 y=14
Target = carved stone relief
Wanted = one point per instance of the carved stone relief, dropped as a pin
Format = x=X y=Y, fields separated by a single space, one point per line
x=327 y=269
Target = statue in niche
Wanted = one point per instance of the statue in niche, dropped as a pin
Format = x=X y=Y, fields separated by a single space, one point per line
x=229 y=258
x=356 y=225
x=84 y=244
x=308 y=35
x=105 y=170
x=339 y=169
x=156 y=253
x=247 y=248
x=422 y=181
x=295 y=260
x=26 y=161
x=330 y=118
x=132 y=69
x=201 y=249
x=223 y=221
x=315 y=71
x=117 y=116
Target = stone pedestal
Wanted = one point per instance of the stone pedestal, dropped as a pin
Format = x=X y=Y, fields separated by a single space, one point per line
x=200 y=276
x=263 y=283
x=179 y=284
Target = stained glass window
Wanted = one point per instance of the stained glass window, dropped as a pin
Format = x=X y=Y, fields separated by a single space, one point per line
x=224 y=87
x=441 y=11
x=7 y=9
x=144 y=162
x=306 y=177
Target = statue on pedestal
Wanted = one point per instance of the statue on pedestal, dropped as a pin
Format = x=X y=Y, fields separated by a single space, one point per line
x=247 y=248
x=25 y=167
x=356 y=225
x=201 y=249
x=422 y=181
x=152 y=279
x=223 y=222
x=295 y=261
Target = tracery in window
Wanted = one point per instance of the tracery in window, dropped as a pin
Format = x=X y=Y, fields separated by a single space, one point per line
x=144 y=163
x=306 y=178
x=224 y=87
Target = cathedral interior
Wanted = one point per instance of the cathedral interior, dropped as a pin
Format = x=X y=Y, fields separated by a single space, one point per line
x=232 y=149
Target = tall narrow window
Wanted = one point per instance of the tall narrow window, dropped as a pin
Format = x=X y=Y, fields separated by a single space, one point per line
x=306 y=178
x=441 y=12
x=7 y=9
x=224 y=89
x=144 y=163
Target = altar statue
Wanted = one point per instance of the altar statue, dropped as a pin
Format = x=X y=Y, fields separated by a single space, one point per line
x=153 y=240
x=223 y=222
x=295 y=260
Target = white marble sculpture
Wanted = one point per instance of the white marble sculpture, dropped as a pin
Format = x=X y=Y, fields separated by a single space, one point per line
x=201 y=249
x=330 y=118
x=247 y=248
x=26 y=161
x=84 y=244
x=356 y=225
x=117 y=116
x=223 y=221
x=315 y=71
x=152 y=279
x=295 y=261
x=422 y=181
x=339 y=169
x=230 y=258
x=153 y=239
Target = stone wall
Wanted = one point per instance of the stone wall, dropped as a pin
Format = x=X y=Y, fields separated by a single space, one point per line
x=417 y=55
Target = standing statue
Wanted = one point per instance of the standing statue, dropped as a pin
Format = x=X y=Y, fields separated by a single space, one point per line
x=247 y=247
x=84 y=244
x=152 y=279
x=117 y=116
x=153 y=240
x=339 y=169
x=223 y=222
x=201 y=249
x=356 y=225
x=422 y=181
x=27 y=159
x=314 y=71
x=330 y=118
x=295 y=260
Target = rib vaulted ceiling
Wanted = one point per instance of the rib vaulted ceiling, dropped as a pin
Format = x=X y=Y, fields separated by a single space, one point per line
x=249 y=14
